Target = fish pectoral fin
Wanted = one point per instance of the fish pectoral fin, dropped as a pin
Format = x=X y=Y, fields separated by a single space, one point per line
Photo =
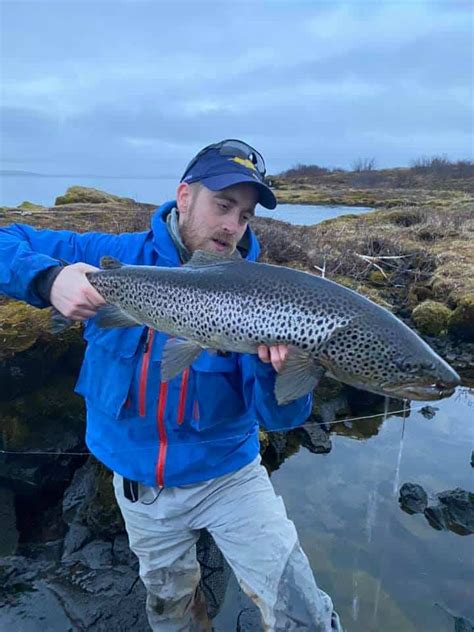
x=59 y=322
x=112 y=316
x=299 y=376
x=178 y=354
x=109 y=263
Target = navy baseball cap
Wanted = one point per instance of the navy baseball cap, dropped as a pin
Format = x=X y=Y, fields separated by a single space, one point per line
x=230 y=162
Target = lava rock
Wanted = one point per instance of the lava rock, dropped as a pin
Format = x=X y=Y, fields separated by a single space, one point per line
x=315 y=439
x=8 y=531
x=413 y=498
x=459 y=506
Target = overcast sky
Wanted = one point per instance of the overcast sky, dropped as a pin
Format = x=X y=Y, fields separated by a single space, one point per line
x=136 y=88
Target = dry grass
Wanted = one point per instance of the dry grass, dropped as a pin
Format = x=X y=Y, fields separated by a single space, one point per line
x=427 y=248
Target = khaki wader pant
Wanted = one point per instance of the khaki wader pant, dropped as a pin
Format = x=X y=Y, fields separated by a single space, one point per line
x=249 y=525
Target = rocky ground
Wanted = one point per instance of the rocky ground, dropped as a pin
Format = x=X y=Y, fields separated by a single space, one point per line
x=65 y=559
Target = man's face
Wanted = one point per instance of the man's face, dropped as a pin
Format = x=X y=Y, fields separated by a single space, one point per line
x=215 y=221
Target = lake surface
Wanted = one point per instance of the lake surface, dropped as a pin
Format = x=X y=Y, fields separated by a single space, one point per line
x=44 y=190
x=385 y=569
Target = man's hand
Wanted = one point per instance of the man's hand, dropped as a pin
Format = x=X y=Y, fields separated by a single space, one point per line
x=73 y=295
x=276 y=354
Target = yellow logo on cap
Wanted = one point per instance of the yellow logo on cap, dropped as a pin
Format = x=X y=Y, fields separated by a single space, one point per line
x=245 y=162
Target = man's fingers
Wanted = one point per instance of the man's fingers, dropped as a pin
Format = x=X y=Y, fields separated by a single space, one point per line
x=263 y=353
x=93 y=297
x=276 y=354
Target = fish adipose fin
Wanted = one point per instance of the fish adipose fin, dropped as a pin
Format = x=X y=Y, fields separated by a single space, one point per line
x=178 y=354
x=300 y=375
x=110 y=263
x=204 y=258
x=111 y=316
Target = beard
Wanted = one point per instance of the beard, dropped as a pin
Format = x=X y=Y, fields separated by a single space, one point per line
x=216 y=241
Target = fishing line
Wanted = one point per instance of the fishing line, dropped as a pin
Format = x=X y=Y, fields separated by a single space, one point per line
x=403 y=410
x=385 y=548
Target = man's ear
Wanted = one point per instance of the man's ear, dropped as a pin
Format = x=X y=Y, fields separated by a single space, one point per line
x=183 y=197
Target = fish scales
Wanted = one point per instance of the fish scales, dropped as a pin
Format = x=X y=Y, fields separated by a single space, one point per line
x=236 y=305
x=242 y=309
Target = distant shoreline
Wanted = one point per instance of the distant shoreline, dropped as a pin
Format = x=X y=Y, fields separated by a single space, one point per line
x=32 y=174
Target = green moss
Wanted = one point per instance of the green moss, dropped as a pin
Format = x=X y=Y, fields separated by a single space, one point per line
x=43 y=418
x=461 y=321
x=21 y=326
x=30 y=206
x=102 y=514
x=264 y=440
x=369 y=292
x=378 y=278
x=431 y=317
x=14 y=431
x=78 y=194
x=417 y=294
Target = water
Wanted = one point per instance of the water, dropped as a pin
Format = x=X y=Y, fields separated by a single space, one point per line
x=385 y=569
x=44 y=190
x=306 y=214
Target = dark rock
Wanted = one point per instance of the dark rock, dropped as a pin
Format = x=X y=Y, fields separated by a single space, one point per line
x=215 y=572
x=8 y=531
x=315 y=439
x=249 y=620
x=454 y=512
x=472 y=458
x=437 y=517
x=95 y=555
x=413 y=498
x=77 y=536
x=65 y=597
x=461 y=624
x=39 y=429
x=78 y=492
x=122 y=553
x=459 y=505
x=90 y=501
x=428 y=412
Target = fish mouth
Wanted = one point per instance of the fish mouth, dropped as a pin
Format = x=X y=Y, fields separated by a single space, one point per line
x=432 y=391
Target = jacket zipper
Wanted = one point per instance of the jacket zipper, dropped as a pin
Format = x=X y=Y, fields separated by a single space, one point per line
x=182 y=396
x=144 y=373
x=160 y=466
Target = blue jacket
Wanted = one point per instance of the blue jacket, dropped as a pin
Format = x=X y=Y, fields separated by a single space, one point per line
x=200 y=425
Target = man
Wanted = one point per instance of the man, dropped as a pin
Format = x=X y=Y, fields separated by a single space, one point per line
x=185 y=453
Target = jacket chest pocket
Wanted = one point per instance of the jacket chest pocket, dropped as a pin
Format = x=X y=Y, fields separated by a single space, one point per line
x=108 y=369
x=215 y=390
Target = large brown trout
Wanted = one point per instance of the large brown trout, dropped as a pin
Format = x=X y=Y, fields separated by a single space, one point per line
x=232 y=305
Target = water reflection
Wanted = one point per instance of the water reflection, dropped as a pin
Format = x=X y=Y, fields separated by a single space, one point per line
x=385 y=569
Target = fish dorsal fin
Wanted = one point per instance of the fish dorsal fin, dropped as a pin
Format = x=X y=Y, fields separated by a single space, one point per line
x=204 y=258
x=109 y=263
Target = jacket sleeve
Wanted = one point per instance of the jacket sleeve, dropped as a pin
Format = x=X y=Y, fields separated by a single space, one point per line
x=259 y=383
x=26 y=251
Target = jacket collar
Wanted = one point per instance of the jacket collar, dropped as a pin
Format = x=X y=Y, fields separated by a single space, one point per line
x=166 y=249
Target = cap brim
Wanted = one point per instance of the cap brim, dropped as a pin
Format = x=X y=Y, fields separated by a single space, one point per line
x=266 y=196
